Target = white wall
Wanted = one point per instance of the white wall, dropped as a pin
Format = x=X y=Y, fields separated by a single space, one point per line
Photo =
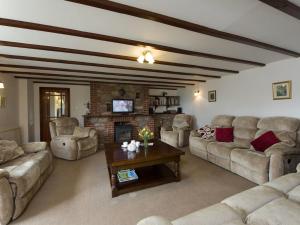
x=247 y=93
x=9 y=115
x=79 y=95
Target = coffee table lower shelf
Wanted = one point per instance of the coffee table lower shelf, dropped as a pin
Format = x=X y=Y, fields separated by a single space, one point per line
x=149 y=176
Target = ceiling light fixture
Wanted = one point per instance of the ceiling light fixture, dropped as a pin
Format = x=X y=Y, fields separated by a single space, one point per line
x=197 y=93
x=146 y=55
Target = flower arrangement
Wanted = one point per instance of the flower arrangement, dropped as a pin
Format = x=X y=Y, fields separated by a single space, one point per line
x=146 y=134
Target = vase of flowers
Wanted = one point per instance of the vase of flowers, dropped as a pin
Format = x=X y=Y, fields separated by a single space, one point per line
x=146 y=134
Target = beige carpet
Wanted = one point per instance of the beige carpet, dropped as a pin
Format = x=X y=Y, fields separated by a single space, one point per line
x=78 y=193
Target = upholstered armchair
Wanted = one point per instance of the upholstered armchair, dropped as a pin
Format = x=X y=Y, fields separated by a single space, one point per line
x=71 y=142
x=178 y=135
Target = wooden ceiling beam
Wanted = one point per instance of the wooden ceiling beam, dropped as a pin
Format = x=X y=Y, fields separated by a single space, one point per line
x=88 y=84
x=104 y=82
x=72 y=62
x=105 y=55
x=160 y=18
x=101 y=37
x=91 y=77
x=284 y=6
x=96 y=72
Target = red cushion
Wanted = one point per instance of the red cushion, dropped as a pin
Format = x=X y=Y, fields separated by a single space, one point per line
x=265 y=141
x=224 y=134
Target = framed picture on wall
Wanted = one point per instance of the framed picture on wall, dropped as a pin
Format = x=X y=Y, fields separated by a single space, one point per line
x=282 y=90
x=212 y=96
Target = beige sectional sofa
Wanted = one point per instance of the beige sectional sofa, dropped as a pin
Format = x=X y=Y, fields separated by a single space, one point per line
x=274 y=203
x=239 y=156
x=21 y=178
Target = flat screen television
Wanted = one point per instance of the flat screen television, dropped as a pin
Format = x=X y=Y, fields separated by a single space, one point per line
x=122 y=106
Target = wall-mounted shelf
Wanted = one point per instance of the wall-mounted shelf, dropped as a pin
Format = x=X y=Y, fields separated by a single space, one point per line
x=167 y=101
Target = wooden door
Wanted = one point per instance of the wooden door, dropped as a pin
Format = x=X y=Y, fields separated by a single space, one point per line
x=54 y=103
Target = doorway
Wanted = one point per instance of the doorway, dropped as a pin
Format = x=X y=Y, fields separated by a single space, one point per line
x=54 y=103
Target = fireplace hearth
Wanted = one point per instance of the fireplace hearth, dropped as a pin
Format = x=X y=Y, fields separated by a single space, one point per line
x=123 y=132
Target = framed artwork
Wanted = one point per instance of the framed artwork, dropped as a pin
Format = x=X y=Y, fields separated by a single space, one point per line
x=2 y=102
x=212 y=96
x=282 y=90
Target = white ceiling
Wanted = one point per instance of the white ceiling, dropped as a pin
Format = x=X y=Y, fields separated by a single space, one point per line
x=251 y=19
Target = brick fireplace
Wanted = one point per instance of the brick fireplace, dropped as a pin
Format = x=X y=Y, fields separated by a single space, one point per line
x=105 y=121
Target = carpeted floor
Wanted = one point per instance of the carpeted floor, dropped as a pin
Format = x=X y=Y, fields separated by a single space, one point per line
x=78 y=193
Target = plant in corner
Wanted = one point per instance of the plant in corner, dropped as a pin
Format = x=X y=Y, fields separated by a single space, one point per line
x=146 y=134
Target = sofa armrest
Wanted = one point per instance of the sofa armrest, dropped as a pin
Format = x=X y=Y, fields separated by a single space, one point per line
x=155 y=220
x=282 y=150
x=298 y=168
x=3 y=173
x=35 y=147
x=166 y=129
x=194 y=133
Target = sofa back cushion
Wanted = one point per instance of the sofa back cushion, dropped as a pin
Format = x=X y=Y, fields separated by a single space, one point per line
x=222 y=121
x=245 y=128
x=63 y=126
x=9 y=150
x=285 y=128
x=182 y=121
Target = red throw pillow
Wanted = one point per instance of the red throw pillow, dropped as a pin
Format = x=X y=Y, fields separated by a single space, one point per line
x=265 y=141
x=224 y=134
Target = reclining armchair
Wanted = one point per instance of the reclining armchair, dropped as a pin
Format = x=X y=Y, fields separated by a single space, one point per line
x=178 y=136
x=71 y=142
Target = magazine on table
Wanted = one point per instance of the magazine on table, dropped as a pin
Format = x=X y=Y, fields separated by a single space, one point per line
x=127 y=175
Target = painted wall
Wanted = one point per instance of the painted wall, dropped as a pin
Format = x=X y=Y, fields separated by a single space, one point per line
x=247 y=93
x=9 y=114
x=79 y=96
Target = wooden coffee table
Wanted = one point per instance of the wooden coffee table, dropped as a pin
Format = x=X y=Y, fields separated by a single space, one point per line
x=150 y=166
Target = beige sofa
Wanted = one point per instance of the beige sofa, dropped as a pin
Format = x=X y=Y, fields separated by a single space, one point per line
x=178 y=135
x=274 y=203
x=21 y=178
x=239 y=156
x=71 y=142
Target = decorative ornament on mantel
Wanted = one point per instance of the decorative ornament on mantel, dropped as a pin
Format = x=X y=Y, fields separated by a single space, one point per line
x=1 y=85
x=146 y=56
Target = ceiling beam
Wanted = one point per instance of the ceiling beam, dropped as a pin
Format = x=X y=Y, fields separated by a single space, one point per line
x=63 y=83
x=284 y=6
x=104 y=82
x=104 y=55
x=160 y=18
x=88 y=84
x=91 y=77
x=101 y=37
x=72 y=62
x=96 y=72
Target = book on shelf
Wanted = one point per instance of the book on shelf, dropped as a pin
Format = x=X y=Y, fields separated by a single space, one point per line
x=127 y=175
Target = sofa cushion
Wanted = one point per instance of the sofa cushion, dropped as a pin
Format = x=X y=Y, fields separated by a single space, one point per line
x=245 y=128
x=9 y=150
x=264 y=141
x=285 y=183
x=252 y=160
x=221 y=149
x=279 y=211
x=218 y=214
x=81 y=132
x=26 y=170
x=224 y=134
x=295 y=194
x=250 y=200
x=222 y=121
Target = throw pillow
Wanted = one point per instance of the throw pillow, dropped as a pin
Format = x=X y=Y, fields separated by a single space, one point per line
x=224 y=134
x=265 y=141
x=9 y=150
x=206 y=132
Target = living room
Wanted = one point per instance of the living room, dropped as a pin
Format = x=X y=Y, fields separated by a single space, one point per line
x=195 y=101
